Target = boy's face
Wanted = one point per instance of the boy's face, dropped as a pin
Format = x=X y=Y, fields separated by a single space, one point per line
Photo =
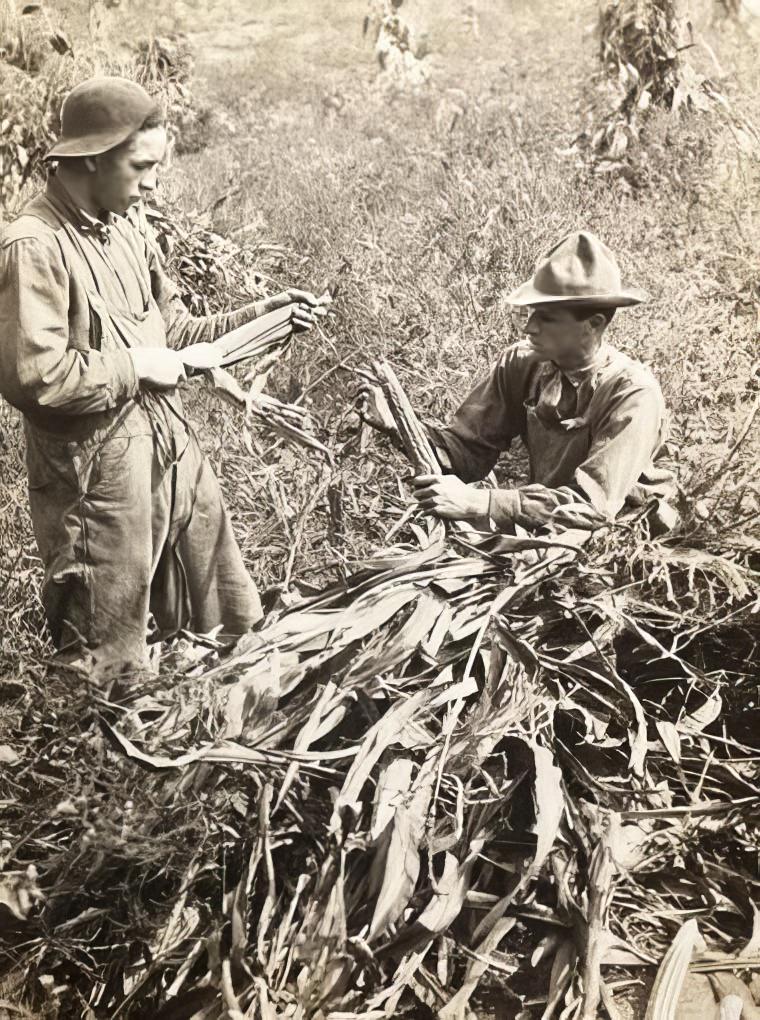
x=128 y=173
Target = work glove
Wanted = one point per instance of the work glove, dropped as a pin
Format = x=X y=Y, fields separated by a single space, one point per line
x=158 y=368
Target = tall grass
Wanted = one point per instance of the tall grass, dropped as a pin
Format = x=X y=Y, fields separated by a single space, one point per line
x=420 y=212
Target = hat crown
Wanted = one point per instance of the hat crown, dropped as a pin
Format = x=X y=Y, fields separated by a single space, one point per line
x=579 y=269
x=580 y=265
x=99 y=114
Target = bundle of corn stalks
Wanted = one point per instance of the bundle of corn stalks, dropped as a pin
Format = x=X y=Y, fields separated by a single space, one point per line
x=477 y=773
x=36 y=65
x=646 y=35
x=28 y=36
x=641 y=68
x=290 y=421
x=644 y=66
x=39 y=64
x=164 y=66
x=23 y=140
x=399 y=52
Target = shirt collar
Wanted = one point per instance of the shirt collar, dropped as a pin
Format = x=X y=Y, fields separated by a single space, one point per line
x=86 y=224
x=589 y=373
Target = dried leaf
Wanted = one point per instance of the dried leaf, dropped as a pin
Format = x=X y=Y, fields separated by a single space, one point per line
x=549 y=806
x=562 y=971
x=20 y=892
x=382 y=735
x=252 y=700
x=61 y=43
x=456 y=1007
x=663 y=1000
x=671 y=739
x=703 y=716
x=753 y=946
x=450 y=890
x=400 y=852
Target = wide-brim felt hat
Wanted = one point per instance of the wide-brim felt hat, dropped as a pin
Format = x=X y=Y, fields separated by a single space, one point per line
x=99 y=114
x=579 y=270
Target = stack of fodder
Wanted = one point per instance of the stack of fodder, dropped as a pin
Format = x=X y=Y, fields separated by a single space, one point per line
x=37 y=67
x=472 y=768
x=645 y=66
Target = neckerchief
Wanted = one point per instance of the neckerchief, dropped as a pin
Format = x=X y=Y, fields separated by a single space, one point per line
x=564 y=394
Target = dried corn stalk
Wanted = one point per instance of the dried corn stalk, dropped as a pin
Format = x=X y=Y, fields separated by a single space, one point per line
x=645 y=36
x=288 y=420
x=663 y=1001
x=413 y=437
x=399 y=52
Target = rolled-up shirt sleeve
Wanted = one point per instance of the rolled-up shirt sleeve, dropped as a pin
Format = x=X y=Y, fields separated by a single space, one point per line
x=623 y=444
x=486 y=423
x=38 y=366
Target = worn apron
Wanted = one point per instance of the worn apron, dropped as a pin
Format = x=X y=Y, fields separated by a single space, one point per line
x=553 y=451
x=128 y=517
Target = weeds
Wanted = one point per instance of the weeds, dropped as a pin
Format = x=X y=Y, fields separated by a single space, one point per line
x=432 y=759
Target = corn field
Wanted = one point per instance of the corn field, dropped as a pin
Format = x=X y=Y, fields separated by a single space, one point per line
x=452 y=774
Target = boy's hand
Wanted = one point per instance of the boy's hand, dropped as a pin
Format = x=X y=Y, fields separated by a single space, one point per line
x=305 y=300
x=301 y=317
x=158 y=368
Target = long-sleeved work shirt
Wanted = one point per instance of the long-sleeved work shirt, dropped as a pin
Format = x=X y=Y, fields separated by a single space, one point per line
x=55 y=363
x=594 y=437
x=127 y=512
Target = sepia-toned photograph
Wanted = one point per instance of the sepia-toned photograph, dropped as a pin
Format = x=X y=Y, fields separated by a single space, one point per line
x=379 y=510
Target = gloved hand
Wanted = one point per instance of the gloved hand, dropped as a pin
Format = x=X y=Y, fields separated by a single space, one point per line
x=158 y=368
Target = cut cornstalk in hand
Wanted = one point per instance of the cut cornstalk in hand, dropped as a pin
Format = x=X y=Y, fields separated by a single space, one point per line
x=416 y=444
x=288 y=420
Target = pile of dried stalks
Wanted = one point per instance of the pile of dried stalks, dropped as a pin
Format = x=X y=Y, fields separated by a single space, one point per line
x=477 y=767
x=645 y=65
x=212 y=271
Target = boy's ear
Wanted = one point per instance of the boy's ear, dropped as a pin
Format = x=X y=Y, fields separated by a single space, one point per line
x=89 y=162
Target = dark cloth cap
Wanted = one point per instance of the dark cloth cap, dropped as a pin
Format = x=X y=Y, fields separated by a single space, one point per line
x=99 y=114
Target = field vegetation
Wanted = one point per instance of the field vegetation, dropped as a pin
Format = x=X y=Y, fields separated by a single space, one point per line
x=436 y=782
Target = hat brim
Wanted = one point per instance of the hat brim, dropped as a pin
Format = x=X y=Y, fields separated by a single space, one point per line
x=527 y=294
x=88 y=145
